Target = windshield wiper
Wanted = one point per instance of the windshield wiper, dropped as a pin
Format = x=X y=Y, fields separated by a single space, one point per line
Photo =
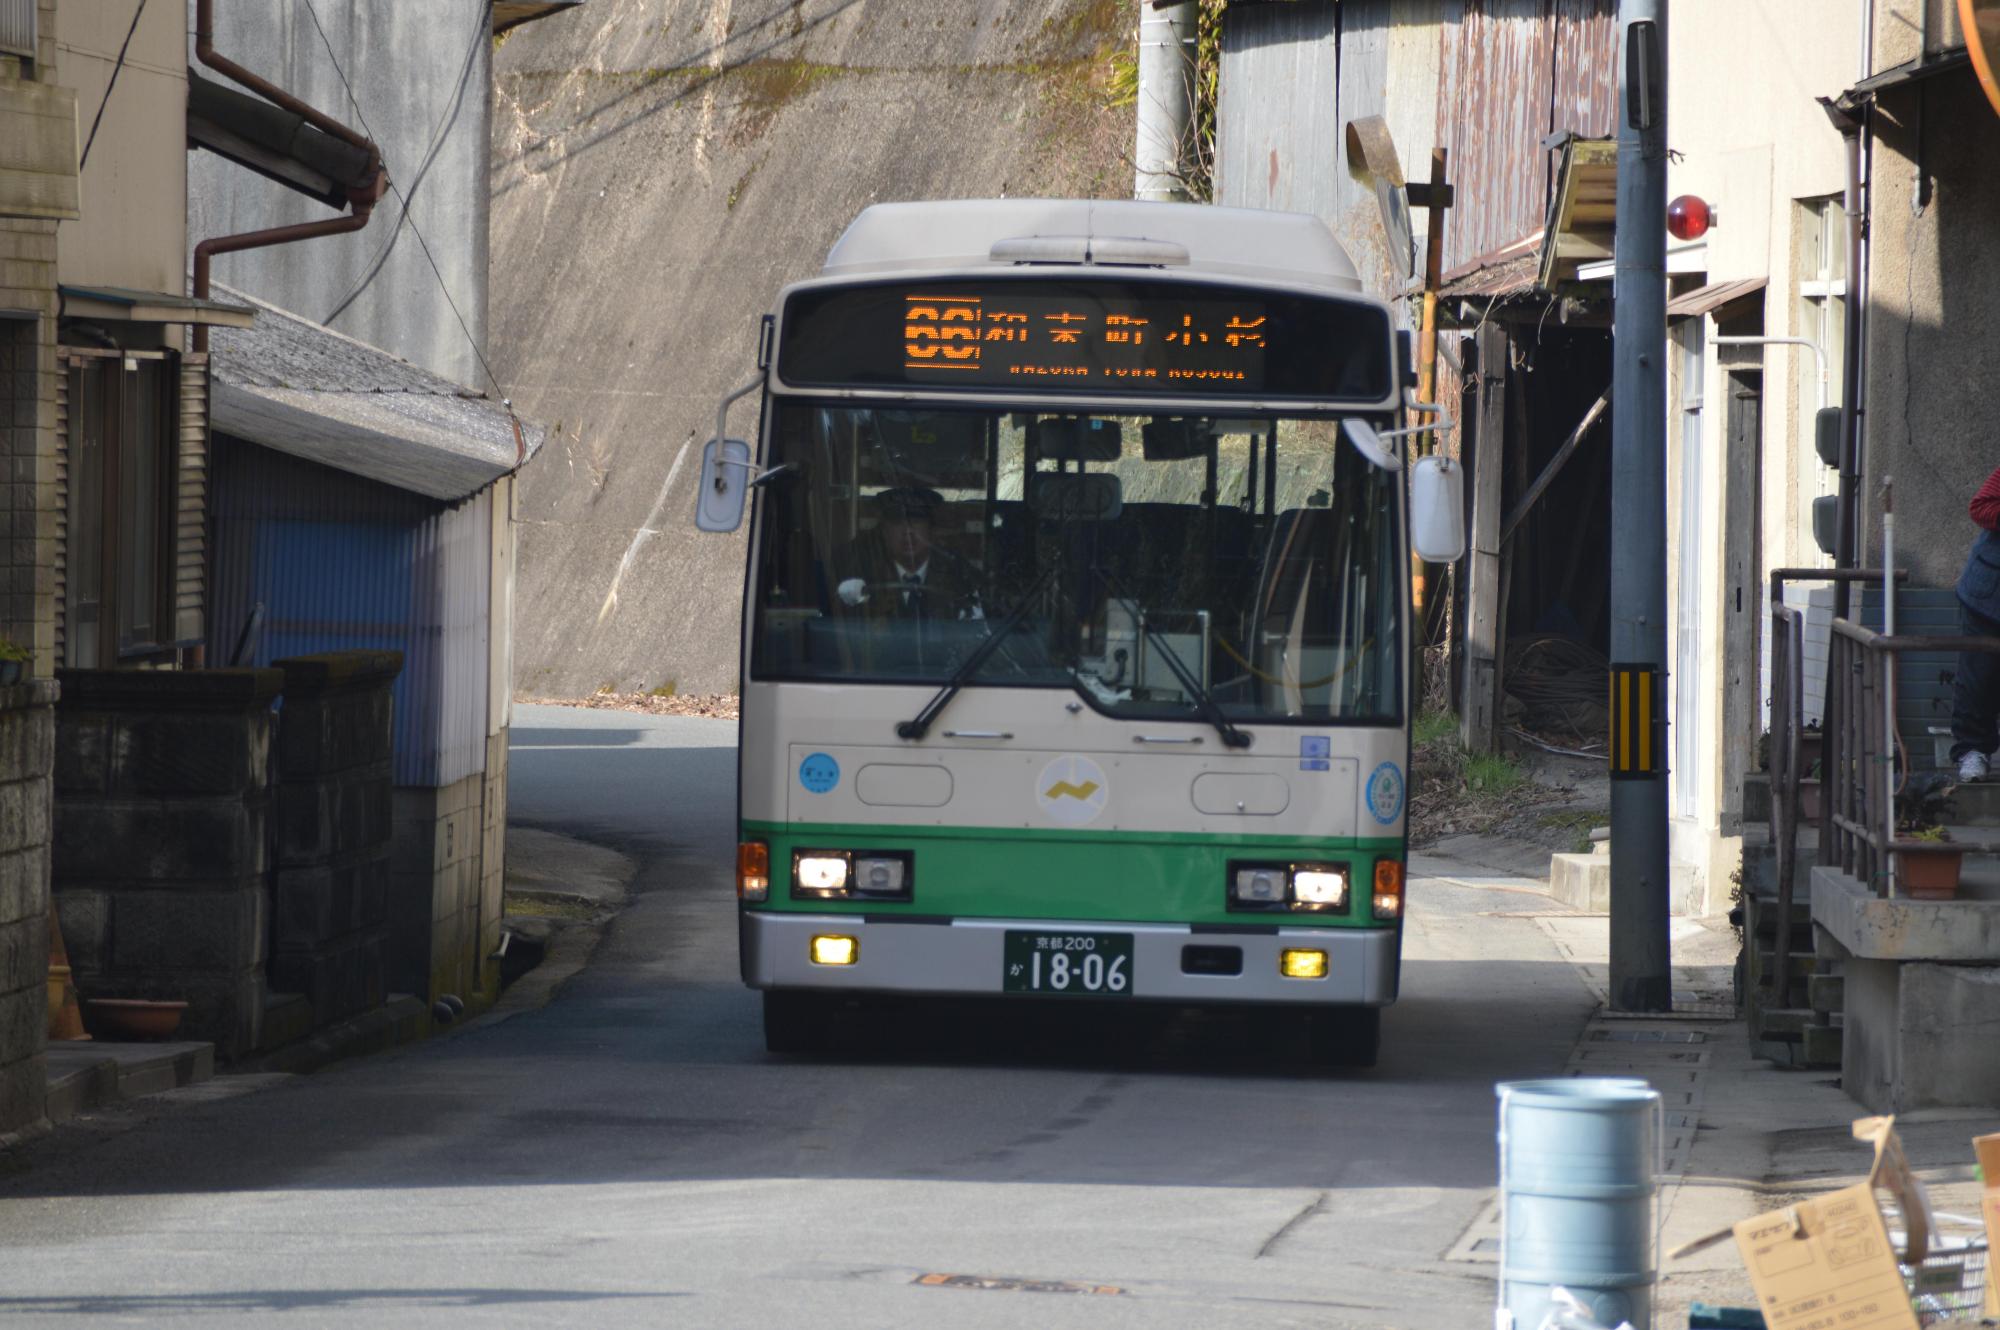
x=919 y=725
x=1210 y=711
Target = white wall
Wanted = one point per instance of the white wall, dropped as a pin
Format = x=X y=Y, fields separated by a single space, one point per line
x=1742 y=79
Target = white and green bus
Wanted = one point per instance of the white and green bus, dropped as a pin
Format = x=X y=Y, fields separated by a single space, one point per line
x=1075 y=634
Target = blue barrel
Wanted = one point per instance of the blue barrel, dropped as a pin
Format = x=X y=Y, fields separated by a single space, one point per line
x=1577 y=1169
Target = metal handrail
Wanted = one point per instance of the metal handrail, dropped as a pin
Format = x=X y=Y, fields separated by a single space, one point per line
x=1787 y=726
x=1857 y=832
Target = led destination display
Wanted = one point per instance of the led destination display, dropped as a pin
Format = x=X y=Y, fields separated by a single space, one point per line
x=1127 y=336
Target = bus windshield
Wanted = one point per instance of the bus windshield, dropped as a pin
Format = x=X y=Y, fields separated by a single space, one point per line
x=1162 y=567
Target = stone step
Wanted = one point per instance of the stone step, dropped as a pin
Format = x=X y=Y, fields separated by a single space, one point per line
x=1821 y=1046
x=1581 y=881
x=83 y=1074
x=1791 y=1021
x=1826 y=993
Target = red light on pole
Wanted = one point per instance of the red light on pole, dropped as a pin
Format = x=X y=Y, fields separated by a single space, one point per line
x=1688 y=218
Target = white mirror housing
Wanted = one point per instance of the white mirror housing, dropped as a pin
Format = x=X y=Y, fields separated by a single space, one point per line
x=1372 y=443
x=725 y=484
x=1437 y=509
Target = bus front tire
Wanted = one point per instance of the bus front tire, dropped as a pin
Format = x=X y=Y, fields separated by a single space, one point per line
x=796 y=1022
x=1344 y=1036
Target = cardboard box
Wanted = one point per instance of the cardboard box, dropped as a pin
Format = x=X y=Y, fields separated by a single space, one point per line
x=1828 y=1263
x=1987 y=1150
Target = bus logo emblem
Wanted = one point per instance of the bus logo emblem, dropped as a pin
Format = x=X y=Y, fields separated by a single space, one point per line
x=819 y=773
x=1385 y=793
x=1072 y=790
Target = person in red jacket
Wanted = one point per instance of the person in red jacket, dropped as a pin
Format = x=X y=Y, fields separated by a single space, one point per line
x=1975 y=691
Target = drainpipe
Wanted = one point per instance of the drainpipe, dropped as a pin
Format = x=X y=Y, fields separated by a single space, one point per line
x=360 y=200
x=1852 y=126
x=1166 y=98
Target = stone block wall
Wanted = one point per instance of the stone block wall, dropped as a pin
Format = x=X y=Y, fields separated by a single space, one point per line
x=160 y=847
x=27 y=743
x=330 y=890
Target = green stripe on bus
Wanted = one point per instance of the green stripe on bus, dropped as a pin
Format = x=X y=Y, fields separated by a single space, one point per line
x=1037 y=873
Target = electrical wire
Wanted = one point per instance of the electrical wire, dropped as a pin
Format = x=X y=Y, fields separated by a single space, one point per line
x=375 y=265
x=98 y=119
x=415 y=229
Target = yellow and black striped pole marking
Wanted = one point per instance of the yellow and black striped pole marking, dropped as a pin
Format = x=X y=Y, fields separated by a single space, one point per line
x=1638 y=722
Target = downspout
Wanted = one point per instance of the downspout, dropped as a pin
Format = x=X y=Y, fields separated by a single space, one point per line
x=1852 y=126
x=360 y=199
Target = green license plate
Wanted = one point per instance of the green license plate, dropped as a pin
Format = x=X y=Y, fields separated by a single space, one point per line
x=1080 y=964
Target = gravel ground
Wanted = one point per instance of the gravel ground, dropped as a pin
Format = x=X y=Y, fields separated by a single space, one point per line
x=716 y=706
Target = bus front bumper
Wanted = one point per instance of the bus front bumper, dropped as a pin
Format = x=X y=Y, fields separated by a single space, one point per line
x=967 y=956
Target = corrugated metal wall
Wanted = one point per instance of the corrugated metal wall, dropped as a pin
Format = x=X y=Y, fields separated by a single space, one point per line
x=338 y=563
x=17 y=27
x=1511 y=73
x=1277 y=136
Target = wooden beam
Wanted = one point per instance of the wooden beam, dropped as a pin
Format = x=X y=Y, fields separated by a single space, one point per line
x=1547 y=478
x=1479 y=707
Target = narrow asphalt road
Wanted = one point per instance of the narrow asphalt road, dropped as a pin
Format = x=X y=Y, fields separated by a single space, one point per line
x=629 y=1155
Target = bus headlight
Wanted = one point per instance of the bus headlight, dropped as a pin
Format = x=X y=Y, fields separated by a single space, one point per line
x=819 y=873
x=880 y=875
x=1319 y=888
x=1260 y=886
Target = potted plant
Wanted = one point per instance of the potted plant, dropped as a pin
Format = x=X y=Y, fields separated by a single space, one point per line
x=13 y=662
x=1929 y=873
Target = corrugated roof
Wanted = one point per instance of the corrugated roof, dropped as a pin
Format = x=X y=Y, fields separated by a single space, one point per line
x=1713 y=296
x=302 y=388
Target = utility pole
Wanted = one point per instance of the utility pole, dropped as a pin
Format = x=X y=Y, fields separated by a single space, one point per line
x=1166 y=99
x=1641 y=977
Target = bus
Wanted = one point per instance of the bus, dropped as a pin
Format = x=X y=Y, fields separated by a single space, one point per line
x=1076 y=620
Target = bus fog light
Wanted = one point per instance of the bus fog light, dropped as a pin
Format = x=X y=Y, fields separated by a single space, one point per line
x=880 y=875
x=1260 y=886
x=835 y=949
x=1300 y=963
x=1322 y=888
x=823 y=874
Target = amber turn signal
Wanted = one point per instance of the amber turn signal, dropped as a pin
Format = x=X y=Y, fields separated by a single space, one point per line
x=753 y=871
x=1388 y=888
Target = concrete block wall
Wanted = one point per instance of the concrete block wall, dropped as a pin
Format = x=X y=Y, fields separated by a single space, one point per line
x=160 y=845
x=332 y=781
x=492 y=867
x=27 y=743
x=435 y=889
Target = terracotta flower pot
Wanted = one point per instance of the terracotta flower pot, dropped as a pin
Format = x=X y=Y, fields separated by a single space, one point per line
x=133 y=1018
x=1931 y=874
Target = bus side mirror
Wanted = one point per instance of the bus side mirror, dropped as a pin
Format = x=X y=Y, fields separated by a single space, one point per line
x=1371 y=443
x=1437 y=510
x=725 y=483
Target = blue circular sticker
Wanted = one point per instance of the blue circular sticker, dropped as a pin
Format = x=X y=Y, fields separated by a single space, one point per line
x=819 y=773
x=1385 y=792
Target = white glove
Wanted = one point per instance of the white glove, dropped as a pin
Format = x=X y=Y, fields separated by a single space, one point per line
x=852 y=592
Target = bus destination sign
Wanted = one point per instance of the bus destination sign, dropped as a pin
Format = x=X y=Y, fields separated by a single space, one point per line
x=1119 y=336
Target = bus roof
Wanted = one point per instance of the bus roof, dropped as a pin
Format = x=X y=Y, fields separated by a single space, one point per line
x=972 y=234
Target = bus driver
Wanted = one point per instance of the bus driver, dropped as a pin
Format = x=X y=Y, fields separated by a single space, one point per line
x=897 y=571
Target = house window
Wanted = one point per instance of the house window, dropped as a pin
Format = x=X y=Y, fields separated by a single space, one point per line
x=1822 y=318
x=120 y=565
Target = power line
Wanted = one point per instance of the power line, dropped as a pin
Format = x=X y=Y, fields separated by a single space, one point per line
x=409 y=216
x=480 y=26
x=109 y=85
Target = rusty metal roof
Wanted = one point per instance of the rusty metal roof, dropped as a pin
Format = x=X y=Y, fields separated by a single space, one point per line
x=1713 y=296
